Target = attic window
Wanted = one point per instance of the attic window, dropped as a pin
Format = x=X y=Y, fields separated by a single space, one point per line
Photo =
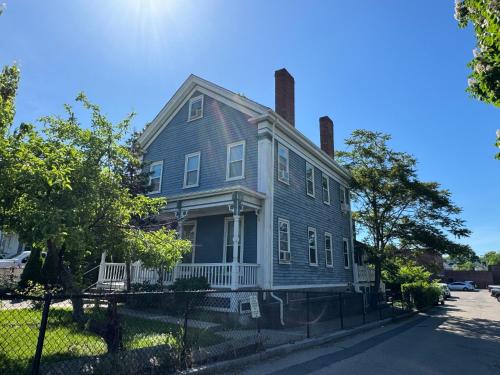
x=195 y=108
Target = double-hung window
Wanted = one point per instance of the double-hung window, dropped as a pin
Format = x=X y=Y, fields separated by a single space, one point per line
x=235 y=168
x=347 y=262
x=328 y=249
x=310 y=179
x=195 y=108
x=155 y=173
x=283 y=165
x=313 y=247
x=325 y=185
x=284 y=240
x=192 y=170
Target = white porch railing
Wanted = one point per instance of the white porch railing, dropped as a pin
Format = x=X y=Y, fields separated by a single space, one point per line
x=219 y=275
x=366 y=274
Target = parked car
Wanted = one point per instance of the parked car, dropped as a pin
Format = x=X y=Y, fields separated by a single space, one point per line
x=18 y=261
x=495 y=292
x=490 y=287
x=446 y=290
x=461 y=285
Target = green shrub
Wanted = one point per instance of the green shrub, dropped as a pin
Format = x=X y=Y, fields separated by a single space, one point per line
x=193 y=283
x=187 y=301
x=33 y=269
x=50 y=269
x=422 y=293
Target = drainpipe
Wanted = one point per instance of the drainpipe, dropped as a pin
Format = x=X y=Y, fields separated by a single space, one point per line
x=281 y=307
x=354 y=264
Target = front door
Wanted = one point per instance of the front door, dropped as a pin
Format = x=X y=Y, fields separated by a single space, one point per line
x=228 y=240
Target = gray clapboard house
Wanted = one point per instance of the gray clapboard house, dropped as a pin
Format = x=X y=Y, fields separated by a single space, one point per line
x=263 y=205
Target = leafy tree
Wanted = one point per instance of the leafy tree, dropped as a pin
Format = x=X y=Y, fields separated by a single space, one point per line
x=33 y=269
x=492 y=258
x=465 y=266
x=484 y=80
x=62 y=189
x=159 y=257
x=393 y=207
x=404 y=271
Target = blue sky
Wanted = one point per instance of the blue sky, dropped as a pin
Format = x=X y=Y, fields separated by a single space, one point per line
x=393 y=66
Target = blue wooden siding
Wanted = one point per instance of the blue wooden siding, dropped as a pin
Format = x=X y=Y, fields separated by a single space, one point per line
x=220 y=125
x=292 y=203
x=210 y=238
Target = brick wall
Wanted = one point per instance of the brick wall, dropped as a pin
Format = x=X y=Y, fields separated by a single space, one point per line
x=481 y=278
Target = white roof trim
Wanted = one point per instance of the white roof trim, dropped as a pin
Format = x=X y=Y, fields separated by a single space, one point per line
x=182 y=95
x=292 y=133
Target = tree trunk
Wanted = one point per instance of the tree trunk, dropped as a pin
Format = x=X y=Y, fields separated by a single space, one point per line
x=378 y=273
x=70 y=287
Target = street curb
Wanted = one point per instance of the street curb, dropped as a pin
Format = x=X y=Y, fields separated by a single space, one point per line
x=217 y=368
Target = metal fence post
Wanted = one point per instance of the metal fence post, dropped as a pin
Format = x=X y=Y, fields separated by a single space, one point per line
x=379 y=307
x=363 y=307
x=259 y=299
x=184 y=334
x=392 y=306
x=307 y=315
x=41 y=335
x=341 y=311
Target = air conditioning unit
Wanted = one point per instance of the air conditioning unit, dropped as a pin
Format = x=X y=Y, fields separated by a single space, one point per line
x=283 y=175
x=285 y=256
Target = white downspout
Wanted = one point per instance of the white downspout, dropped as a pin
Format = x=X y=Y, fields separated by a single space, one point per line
x=281 y=307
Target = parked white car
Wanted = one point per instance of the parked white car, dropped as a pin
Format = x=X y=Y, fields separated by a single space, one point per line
x=461 y=285
x=17 y=262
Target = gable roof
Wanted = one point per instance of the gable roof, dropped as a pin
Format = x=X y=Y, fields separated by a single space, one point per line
x=192 y=84
x=253 y=109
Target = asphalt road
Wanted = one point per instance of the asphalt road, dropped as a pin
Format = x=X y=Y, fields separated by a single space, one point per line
x=463 y=337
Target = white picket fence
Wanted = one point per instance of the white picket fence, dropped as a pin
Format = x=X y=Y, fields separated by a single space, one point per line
x=219 y=275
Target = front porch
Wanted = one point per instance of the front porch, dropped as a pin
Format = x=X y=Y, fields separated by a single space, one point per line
x=222 y=226
x=218 y=275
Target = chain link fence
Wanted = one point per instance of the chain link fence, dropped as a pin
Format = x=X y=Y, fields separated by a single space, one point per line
x=161 y=332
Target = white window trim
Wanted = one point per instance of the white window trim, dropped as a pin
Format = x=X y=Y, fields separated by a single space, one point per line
x=229 y=146
x=346 y=241
x=313 y=178
x=227 y=219
x=191 y=101
x=186 y=158
x=153 y=164
x=329 y=235
x=280 y=261
x=194 y=223
x=311 y=229
x=323 y=176
x=282 y=179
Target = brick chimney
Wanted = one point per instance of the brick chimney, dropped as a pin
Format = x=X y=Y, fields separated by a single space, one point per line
x=326 y=134
x=285 y=95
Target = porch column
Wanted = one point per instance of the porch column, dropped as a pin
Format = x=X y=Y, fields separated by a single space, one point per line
x=102 y=265
x=235 y=271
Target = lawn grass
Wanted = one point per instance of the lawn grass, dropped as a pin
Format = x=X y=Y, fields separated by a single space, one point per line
x=64 y=339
